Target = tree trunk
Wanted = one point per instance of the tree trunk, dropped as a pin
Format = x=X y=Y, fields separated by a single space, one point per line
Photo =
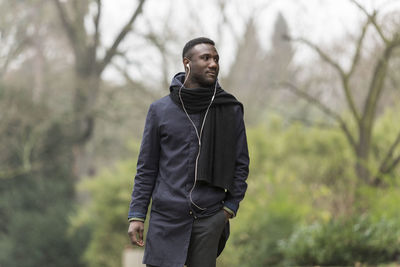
x=86 y=92
x=362 y=153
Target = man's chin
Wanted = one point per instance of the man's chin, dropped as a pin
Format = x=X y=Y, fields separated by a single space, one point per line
x=209 y=82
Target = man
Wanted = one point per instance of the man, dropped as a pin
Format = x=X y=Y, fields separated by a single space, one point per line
x=193 y=165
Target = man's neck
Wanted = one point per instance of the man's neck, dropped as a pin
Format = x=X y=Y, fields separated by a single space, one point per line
x=191 y=84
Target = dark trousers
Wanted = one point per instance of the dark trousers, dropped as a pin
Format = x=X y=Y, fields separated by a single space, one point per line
x=203 y=246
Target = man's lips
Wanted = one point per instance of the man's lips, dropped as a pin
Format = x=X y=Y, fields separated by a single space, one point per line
x=211 y=73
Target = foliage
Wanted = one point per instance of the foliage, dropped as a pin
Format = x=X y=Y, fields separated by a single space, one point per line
x=295 y=173
x=261 y=222
x=344 y=242
x=106 y=212
x=302 y=178
x=36 y=192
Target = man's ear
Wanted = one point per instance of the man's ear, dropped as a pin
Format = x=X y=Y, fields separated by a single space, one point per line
x=186 y=63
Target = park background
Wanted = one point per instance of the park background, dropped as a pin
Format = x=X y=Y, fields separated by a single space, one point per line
x=320 y=82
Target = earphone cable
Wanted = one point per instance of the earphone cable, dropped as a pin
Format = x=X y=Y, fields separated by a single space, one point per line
x=199 y=135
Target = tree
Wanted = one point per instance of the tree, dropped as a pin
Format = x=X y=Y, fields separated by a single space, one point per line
x=36 y=183
x=281 y=54
x=13 y=33
x=363 y=118
x=244 y=76
x=88 y=65
x=105 y=214
x=255 y=73
x=36 y=189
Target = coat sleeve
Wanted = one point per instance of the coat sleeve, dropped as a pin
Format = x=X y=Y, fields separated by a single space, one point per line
x=147 y=167
x=234 y=197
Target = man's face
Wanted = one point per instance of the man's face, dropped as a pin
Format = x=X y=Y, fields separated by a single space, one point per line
x=204 y=66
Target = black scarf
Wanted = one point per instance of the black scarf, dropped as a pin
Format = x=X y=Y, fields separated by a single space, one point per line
x=217 y=160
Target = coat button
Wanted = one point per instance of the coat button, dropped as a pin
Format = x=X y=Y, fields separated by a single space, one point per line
x=190 y=212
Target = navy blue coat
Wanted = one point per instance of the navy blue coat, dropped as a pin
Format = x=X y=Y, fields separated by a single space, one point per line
x=165 y=174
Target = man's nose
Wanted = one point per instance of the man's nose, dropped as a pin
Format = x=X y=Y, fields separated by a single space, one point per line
x=213 y=64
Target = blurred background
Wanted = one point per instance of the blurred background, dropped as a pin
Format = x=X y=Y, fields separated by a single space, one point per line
x=320 y=82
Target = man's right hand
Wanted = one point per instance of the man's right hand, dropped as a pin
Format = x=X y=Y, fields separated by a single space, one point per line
x=135 y=232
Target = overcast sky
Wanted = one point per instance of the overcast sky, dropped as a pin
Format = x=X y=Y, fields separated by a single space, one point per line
x=322 y=21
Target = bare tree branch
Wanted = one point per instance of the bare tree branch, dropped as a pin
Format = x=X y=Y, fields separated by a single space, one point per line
x=343 y=76
x=125 y=30
x=387 y=169
x=67 y=25
x=373 y=20
x=311 y=99
x=96 y=24
x=394 y=80
x=314 y=101
x=394 y=163
x=226 y=21
x=384 y=166
x=221 y=6
x=357 y=53
x=321 y=53
x=349 y=99
x=16 y=50
x=135 y=84
x=312 y=123
x=161 y=41
x=377 y=82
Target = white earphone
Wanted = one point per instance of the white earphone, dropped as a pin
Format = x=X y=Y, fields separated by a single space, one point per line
x=199 y=134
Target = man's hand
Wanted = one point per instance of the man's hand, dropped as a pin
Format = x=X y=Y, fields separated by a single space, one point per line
x=135 y=232
x=227 y=216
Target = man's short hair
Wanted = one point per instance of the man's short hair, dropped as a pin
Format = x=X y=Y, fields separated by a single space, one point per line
x=189 y=45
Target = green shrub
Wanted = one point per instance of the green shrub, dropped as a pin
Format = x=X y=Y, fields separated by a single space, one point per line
x=343 y=242
x=106 y=214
